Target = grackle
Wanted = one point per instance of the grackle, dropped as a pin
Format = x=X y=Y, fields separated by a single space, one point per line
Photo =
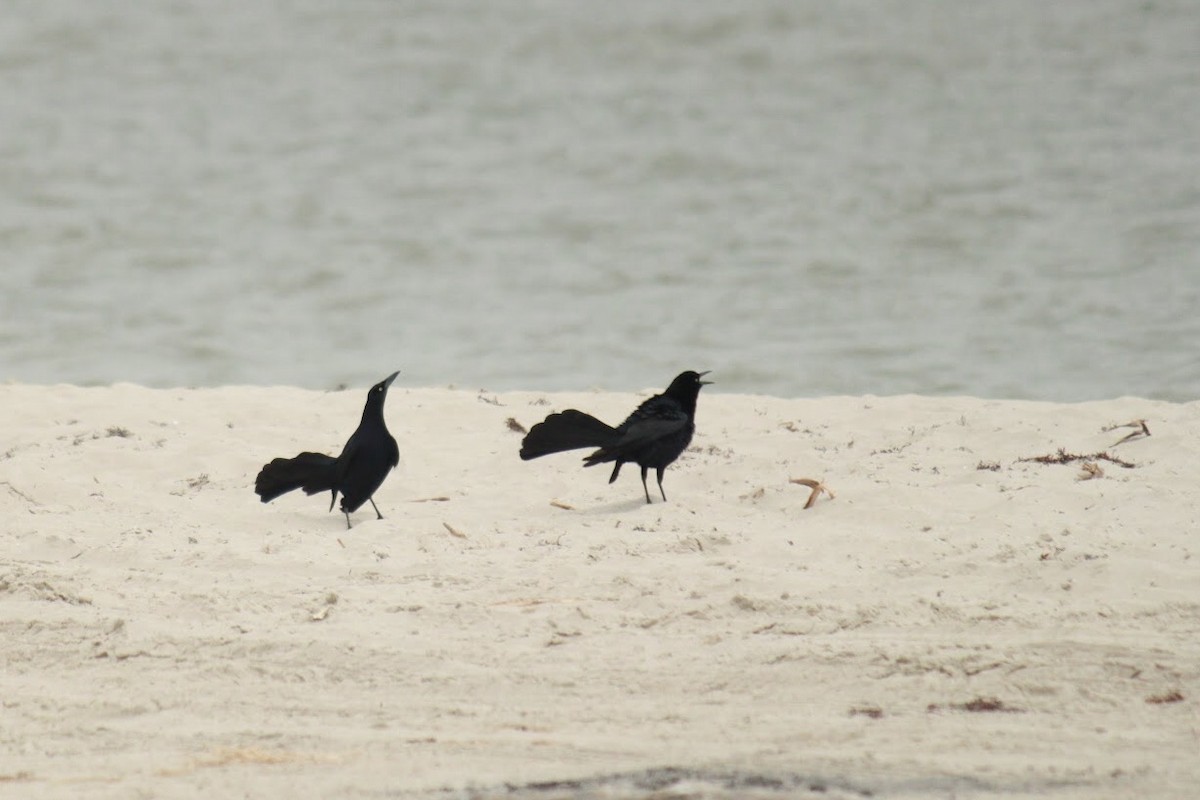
x=357 y=473
x=654 y=435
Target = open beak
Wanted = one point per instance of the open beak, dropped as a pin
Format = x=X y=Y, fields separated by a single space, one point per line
x=702 y=374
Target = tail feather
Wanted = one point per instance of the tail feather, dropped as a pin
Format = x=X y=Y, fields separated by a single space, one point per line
x=566 y=430
x=312 y=472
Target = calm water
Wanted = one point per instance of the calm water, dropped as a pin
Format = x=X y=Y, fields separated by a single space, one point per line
x=809 y=198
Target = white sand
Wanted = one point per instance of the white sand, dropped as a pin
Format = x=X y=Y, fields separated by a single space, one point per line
x=165 y=634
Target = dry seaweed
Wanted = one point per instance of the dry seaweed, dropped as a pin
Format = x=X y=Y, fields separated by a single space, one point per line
x=1063 y=457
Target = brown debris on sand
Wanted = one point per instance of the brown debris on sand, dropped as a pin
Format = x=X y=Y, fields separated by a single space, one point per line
x=817 y=489
x=1063 y=457
x=1139 y=426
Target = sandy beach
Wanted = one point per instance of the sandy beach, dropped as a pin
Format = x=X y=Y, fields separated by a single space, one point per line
x=955 y=621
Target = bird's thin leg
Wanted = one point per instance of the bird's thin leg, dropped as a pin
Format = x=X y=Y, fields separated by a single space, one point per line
x=377 y=514
x=661 y=470
x=347 y=513
x=644 y=489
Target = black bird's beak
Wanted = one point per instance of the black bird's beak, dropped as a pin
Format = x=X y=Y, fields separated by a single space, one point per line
x=702 y=374
x=388 y=380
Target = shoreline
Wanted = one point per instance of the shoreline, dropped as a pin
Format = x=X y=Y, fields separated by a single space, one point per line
x=955 y=613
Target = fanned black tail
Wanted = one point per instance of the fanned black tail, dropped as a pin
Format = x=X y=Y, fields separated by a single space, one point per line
x=312 y=472
x=567 y=430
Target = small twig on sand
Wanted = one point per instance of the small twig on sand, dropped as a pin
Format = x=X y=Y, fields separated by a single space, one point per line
x=20 y=494
x=1173 y=696
x=1139 y=426
x=454 y=531
x=817 y=488
x=986 y=704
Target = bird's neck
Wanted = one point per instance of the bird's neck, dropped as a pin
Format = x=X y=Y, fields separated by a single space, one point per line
x=373 y=413
x=687 y=400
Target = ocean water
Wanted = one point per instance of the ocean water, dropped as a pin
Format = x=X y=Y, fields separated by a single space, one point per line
x=808 y=198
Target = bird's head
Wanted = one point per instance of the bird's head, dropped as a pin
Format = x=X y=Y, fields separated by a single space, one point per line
x=378 y=392
x=688 y=382
x=382 y=386
x=686 y=388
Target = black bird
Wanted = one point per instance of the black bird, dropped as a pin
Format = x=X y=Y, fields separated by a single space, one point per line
x=653 y=436
x=365 y=461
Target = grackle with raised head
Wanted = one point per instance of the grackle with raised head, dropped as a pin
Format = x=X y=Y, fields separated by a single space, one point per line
x=357 y=473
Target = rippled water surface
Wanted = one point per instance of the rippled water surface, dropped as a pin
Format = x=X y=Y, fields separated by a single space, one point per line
x=997 y=199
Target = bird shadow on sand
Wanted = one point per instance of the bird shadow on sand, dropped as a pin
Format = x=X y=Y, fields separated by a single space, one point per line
x=618 y=507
